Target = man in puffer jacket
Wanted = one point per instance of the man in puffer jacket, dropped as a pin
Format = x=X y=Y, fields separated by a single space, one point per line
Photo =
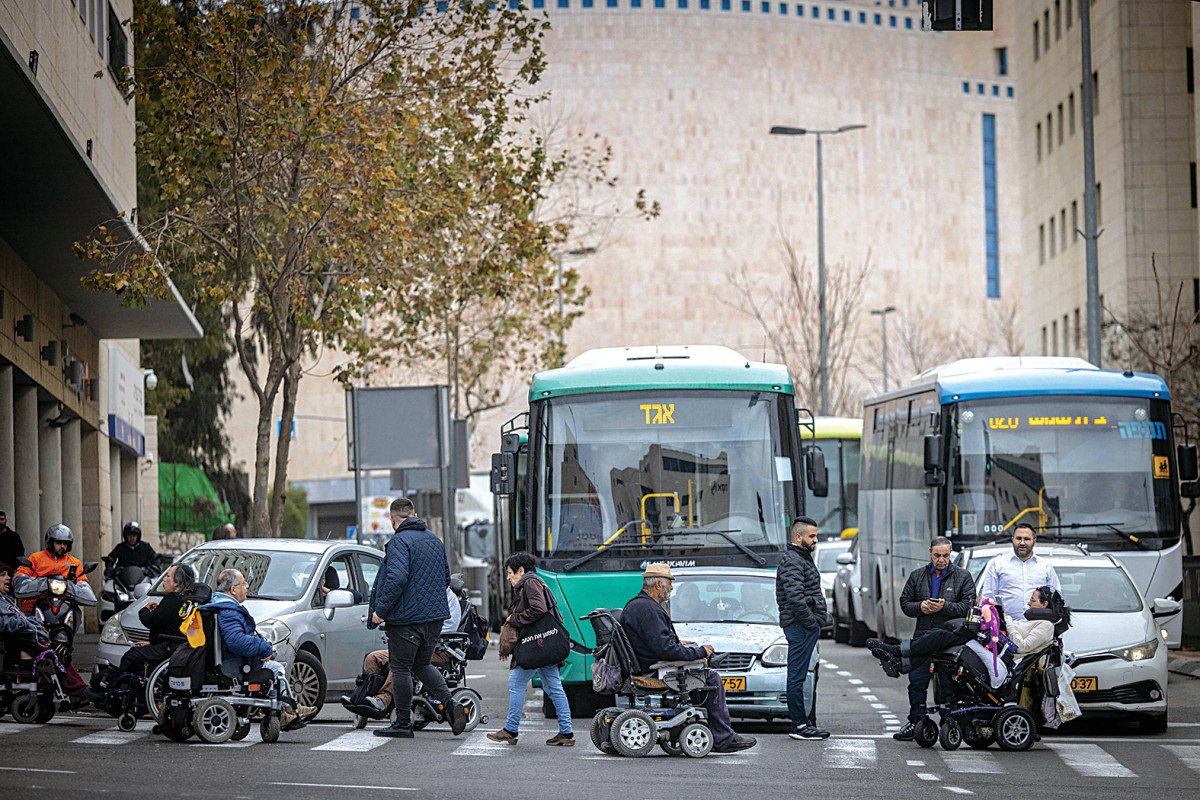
x=410 y=596
x=802 y=614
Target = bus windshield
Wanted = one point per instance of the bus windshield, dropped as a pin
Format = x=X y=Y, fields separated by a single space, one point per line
x=663 y=472
x=839 y=509
x=1080 y=468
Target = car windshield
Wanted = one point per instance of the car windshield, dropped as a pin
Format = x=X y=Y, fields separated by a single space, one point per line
x=700 y=599
x=272 y=574
x=672 y=472
x=827 y=555
x=1104 y=590
x=1080 y=468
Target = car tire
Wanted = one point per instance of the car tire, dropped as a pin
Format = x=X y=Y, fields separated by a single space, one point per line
x=859 y=632
x=1153 y=724
x=308 y=680
x=841 y=633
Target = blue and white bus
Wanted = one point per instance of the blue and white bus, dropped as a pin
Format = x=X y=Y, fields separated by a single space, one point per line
x=971 y=448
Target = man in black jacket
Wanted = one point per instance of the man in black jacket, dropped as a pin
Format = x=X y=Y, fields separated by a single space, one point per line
x=802 y=614
x=934 y=595
x=11 y=548
x=131 y=551
x=653 y=638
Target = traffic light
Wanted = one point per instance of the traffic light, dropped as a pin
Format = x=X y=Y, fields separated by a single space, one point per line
x=956 y=15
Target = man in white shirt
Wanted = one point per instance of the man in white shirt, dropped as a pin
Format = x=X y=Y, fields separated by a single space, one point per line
x=1010 y=580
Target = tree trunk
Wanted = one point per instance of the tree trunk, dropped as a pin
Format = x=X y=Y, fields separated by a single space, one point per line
x=291 y=383
x=262 y=462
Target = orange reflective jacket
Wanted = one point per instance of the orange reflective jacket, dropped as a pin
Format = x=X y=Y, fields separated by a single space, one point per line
x=44 y=563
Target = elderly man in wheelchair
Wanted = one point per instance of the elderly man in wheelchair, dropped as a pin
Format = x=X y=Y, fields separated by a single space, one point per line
x=646 y=642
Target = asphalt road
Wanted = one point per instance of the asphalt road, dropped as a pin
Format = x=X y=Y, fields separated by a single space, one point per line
x=78 y=755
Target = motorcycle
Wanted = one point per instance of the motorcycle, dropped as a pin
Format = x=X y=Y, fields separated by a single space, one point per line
x=57 y=605
x=120 y=587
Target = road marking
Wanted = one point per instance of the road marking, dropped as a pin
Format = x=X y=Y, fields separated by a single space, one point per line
x=849 y=754
x=879 y=705
x=15 y=727
x=979 y=762
x=915 y=763
x=110 y=736
x=1091 y=761
x=354 y=742
x=347 y=786
x=870 y=698
x=31 y=769
x=247 y=742
x=844 y=673
x=855 y=681
x=958 y=790
x=475 y=677
x=480 y=746
x=827 y=665
x=1189 y=755
x=928 y=776
x=863 y=689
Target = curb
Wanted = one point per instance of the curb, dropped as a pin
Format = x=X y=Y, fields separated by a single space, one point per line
x=1184 y=666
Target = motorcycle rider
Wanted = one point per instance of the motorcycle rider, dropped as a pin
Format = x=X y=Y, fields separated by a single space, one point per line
x=131 y=551
x=55 y=559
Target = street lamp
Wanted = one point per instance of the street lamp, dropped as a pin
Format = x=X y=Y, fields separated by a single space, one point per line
x=882 y=314
x=558 y=257
x=783 y=130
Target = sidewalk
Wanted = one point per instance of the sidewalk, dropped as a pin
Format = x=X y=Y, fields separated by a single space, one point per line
x=1185 y=662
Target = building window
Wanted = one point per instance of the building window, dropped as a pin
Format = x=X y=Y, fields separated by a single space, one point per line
x=845 y=16
x=862 y=18
x=1096 y=94
x=1036 y=46
x=991 y=217
x=1066 y=335
x=1042 y=243
x=1039 y=141
x=1193 y=166
x=878 y=19
x=1053 y=240
x=1071 y=112
x=1062 y=227
x=1099 y=216
x=1046 y=31
x=891 y=22
x=1049 y=134
x=1076 y=310
x=1074 y=220
x=1054 y=338
x=966 y=88
x=1044 y=340
x=1010 y=92
x=1001 y=60
x=1060 y=123
x=118 y=47
x=1057 y=20
x=1191 y=71
x=1069 y=20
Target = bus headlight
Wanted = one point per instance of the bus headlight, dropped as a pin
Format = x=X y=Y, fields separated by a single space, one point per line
x=775 y=655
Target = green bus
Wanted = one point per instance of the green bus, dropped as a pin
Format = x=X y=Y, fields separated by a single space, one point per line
x=689 y=455
x=838 y=439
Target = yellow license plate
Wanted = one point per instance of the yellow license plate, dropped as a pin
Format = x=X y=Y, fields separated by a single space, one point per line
x=1083 y=685
x=734 y=684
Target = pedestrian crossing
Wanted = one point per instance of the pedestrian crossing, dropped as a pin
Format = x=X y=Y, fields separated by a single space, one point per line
x=1101 y=759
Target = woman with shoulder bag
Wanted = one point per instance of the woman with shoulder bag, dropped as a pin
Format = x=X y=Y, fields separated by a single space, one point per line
x=533 y=629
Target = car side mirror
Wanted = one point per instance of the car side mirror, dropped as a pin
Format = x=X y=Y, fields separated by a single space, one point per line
x=141 y=590
x=338 y=598
x=504 y=474
x=818 y=475
x=1188 y=469
x=1165 y=607
x=845 y=559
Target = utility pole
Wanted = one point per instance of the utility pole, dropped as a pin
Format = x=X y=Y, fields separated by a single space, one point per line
x=882 y=314
x=1090 y=234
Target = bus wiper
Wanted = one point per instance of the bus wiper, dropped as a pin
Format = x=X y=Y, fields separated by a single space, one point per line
x=755 y=557
x=1115 y=527
x=608 y=545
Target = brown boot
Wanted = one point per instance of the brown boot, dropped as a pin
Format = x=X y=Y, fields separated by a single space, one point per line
x=561 y=740
x=503 y=735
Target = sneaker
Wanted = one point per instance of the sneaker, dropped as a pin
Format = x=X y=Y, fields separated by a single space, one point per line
x=458 y=718
x=375 y=703
x=809 y=733
x=876 y=647
x=503 y=735
x=891 y=666
x=562 y=740
x=907 y=733
x=740 y=742
x=395 y=731
x=294 y=719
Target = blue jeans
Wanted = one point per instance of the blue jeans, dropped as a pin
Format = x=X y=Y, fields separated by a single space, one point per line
x=518 y=679
x=801 y=642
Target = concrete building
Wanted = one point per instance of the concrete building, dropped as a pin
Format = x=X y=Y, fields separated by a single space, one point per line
x=685 y=92
x=73 y=430
x=1145 y=155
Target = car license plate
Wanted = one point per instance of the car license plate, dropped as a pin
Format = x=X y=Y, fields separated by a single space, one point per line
x=1083 y=685
x=734 y=684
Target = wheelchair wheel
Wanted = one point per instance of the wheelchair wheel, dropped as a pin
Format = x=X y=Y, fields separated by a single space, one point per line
x=216 y=720
x=242 y=731
x=24 y=708
x=926 y=732
x=671 y=747
x=1014 y=728
x=695 y=740
x=977 y=741
x=126 y=722
x=269 y=728
x=156 y=689
x=633 y=733
x=472 y=701
x=601 y=723
x=950 y=735
x=46 y=708
x=360 y=722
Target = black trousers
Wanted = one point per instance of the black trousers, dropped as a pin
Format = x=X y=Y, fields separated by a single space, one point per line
x=136 y=658
x=410 y=648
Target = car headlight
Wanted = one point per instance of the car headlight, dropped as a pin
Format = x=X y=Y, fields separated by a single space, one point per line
x=1139 y=652
x=112 y=632
x=775 y=655
x=122 y=596
x=273 y=630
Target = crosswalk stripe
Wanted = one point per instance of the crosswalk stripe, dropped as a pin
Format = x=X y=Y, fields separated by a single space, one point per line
x=849 y=753
x=110 y=736
x=980 y=762
x=354 y=742
x=13 y=727
x=1091 y=761
x=480 y=745
x=1188 y=754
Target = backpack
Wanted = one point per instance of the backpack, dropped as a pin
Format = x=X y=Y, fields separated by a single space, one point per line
x=185 y=670
x=476 y=628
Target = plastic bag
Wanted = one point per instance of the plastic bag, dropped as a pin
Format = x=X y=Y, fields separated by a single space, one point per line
x=1068 y=708
x=1050 y=712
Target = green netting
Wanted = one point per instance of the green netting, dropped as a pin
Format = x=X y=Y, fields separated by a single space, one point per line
x=187 y=500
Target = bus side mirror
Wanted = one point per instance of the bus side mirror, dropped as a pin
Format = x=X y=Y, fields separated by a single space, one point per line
x=934 y=476
x=504 y=474
x=510 y=443
x=818 y=476
x=1188 y=470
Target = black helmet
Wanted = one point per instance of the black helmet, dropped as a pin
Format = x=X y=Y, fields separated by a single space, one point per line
x=132 y=528
x=59 y=533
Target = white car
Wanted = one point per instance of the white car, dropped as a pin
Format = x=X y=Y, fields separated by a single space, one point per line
x=825 y=555
x=1114 y=643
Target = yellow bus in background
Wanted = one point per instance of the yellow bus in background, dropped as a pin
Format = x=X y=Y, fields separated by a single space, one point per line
x=838 y=439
